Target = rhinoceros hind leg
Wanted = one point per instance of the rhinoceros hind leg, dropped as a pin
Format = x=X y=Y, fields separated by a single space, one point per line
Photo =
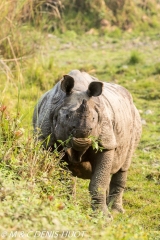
x=117 y=186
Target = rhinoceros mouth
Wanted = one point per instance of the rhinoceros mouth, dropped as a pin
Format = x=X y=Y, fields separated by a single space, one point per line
x=78 y=147
x=83 y=133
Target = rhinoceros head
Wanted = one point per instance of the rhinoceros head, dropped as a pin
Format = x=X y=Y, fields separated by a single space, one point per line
x=77 y=115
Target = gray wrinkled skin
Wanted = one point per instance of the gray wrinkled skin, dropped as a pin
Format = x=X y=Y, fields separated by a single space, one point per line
x=81 y=106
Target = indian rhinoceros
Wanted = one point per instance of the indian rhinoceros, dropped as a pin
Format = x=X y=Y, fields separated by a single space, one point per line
x=80 y=106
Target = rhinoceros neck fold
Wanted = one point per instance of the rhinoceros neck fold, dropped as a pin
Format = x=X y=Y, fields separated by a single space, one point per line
x=78 y=147
x=80 y=144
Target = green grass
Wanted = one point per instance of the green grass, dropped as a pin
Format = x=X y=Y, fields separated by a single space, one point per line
x=35 y=193
x=32 y=196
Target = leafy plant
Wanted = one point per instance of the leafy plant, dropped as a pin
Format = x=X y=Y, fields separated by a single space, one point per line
x=96 y=144
x=134 y=58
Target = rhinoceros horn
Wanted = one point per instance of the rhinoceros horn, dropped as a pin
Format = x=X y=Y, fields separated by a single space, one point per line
x=83 y=107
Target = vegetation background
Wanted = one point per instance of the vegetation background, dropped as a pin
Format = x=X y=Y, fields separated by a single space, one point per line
x=116 y=41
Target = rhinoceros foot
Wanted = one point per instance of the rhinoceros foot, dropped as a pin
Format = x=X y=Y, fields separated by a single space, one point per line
x=116 y=208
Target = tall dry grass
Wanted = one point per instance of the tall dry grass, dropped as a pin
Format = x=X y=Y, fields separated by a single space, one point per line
x=16 y=42
x=18 y=37
x=125 y=14
x=13 y=14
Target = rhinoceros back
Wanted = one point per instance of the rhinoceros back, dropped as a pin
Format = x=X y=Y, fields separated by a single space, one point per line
x=124 y=113
x=42 y=111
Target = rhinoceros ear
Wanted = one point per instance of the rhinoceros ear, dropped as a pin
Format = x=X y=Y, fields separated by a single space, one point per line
x=67 y=84
x=95 y=89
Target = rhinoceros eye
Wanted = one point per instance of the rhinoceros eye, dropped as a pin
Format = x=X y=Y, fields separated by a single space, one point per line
x=67 y=116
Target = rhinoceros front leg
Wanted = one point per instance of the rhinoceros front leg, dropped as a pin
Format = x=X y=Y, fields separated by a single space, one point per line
x=117 y=185
x=100 y=181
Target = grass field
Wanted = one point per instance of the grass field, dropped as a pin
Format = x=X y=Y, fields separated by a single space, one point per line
x=32 y=197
